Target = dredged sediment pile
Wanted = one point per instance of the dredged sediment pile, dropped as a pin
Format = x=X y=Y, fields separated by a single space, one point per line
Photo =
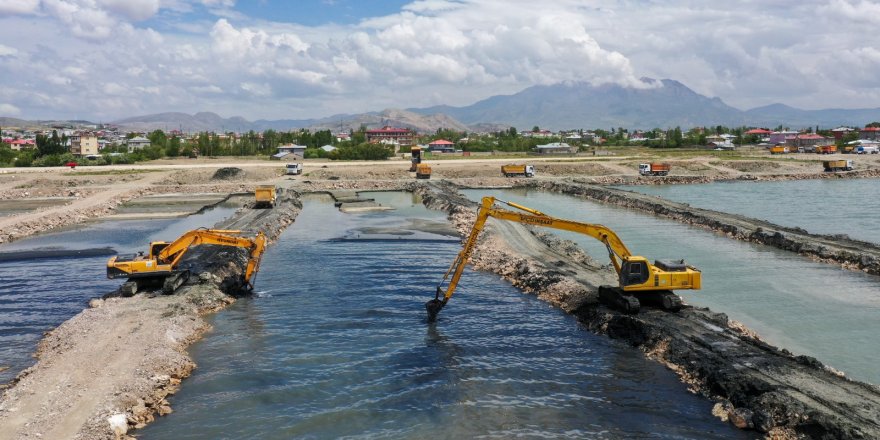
x=755 y=385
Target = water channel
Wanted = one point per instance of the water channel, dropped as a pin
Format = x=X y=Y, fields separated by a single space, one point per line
x=46 y=281
x=335 y=345
x=809 y=308
x=821 y=206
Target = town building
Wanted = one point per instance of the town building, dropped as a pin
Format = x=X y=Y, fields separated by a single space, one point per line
x=556 y=148
x=869 y=133
x=441 y=146
x=290 y=152
x=808 y=141
x=840 y=132
x=84 y=144
x=779 y=137
x=399 y=137
x=137 y=143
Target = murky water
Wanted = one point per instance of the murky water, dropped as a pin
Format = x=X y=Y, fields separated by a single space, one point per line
x=38 y=294
x=844 y=206
x=807 y=307
x=336 y=346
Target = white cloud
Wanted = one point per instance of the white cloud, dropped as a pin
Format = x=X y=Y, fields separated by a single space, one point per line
x=814 y=53
x=6 y=51
x=9 y=110
x=14 y=7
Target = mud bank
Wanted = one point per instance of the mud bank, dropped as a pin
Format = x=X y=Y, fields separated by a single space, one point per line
x=690 y=179
x=110 y=368
x=756 y=386
x=837 y=249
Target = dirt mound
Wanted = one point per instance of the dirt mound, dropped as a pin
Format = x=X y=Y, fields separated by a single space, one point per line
x=228 y=173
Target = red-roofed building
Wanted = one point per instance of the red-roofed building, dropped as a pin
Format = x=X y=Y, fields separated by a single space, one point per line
x=21 y=144
x=870 y=133
x=399 y=137
x=759 y=131
x=840 y=132
x=809 y=140
x=441 y=146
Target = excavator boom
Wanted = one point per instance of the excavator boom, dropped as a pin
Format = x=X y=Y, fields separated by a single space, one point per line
x=635 y=273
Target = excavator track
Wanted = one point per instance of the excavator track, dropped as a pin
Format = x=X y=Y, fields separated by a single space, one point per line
x=617 y=299
x=174 y=281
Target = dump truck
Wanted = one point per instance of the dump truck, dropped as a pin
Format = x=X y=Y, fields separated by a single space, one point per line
x=654 y=169
x=416 y=154
x=293 y=169
x=423 y=171
x=639 y=281
x=265 y=196
x=512 y=170
x=163 y=265
x=778 y=149
x=837 y=165
x=826 y=149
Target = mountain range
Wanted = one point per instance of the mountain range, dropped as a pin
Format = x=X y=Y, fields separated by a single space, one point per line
x=658 y=104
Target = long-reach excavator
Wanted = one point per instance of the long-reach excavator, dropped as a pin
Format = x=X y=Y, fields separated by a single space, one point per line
x=637 y=277
x=162 y=264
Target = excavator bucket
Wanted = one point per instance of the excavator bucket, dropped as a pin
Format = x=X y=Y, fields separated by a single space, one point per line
x=433 y=307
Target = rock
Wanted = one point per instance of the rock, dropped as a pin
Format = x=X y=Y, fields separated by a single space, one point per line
x=741 y=418
x=227 y=173
x=722 y=409
x=96 y=303
x=118 y=424
x=763 y=421
x=164 y=410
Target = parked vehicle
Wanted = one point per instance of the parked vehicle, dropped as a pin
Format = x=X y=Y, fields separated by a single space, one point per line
x=778 y=149
x=866 y=150
x=654 y=169
x=837 y=165
x=826 y=149
x=416 y=158
x=518 y=170
x=293 y=169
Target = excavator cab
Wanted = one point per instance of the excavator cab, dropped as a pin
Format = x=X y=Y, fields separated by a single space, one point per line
x=634 y=271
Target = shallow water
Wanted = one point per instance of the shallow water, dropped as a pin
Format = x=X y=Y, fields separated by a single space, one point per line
x=335 y=345
x=821 y=206
x=807 y=307
x=38 y=294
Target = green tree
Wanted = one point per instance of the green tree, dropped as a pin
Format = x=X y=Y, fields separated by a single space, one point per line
x=173 y=148
x=158 y=138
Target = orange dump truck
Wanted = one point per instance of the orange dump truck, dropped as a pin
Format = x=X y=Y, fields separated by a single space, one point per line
x=654 y=169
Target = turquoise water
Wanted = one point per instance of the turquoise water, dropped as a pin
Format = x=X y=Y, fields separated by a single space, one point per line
x=821 y=206
x=335 y=345
x=809 y=308
x=38 y=294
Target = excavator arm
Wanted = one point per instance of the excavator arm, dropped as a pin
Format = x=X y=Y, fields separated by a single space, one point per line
x=634 y=272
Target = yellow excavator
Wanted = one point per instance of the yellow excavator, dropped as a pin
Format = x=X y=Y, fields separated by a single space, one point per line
x=639 y=279
x=161 y=265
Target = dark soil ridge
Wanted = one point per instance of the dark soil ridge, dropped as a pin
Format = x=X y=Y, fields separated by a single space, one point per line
x=837 y=249
x=755 y=385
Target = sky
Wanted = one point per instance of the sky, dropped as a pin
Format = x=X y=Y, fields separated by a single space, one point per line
x=103 y=60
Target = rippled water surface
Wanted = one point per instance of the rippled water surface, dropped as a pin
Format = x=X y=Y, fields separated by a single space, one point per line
x=336 y=345
x=38 y=294
x=821 y=206
x=807 y=307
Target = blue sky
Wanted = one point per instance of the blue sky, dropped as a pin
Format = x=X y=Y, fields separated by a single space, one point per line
x=271 y=59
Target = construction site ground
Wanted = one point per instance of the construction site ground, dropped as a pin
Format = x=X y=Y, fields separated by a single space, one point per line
x=121 y=357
